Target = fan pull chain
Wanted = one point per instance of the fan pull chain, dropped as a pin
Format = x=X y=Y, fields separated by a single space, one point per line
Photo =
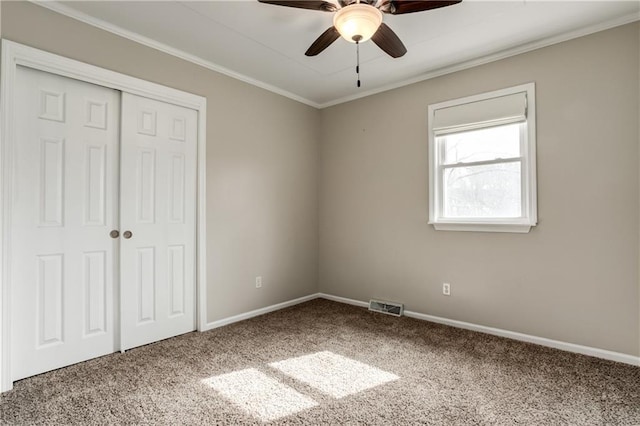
x=358 y=60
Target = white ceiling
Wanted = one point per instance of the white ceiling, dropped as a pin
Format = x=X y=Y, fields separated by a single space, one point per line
x=265 y=44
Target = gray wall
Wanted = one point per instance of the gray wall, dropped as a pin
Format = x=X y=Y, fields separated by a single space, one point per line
x=262 y=154
x=574 y=277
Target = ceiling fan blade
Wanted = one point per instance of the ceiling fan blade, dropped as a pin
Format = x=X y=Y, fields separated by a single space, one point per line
x=397 y=7
x=322 y=42
x=324 y=6
x=388 y=41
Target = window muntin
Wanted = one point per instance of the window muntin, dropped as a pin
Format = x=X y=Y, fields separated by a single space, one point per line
x=482 y=174
x=483 y=144
x=483 y=191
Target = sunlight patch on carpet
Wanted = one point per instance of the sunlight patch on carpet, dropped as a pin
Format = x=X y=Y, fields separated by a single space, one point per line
x=333 y=374
x=260 y=395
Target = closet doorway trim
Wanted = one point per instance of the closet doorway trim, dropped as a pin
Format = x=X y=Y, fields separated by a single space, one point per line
x=15 y=54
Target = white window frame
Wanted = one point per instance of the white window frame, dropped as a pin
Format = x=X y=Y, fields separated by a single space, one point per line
x=529 y=216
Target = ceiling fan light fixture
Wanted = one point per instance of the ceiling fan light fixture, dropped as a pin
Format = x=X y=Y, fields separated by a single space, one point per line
x=357 y=22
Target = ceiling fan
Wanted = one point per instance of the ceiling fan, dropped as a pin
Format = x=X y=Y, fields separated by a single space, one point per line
x=360 y=20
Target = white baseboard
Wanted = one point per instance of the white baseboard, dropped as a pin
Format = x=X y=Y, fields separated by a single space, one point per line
x=543 y=341
x=343 y=300
x=258 y=312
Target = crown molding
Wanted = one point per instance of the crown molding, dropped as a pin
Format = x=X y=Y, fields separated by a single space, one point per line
x=503 y=54
x=146 y=41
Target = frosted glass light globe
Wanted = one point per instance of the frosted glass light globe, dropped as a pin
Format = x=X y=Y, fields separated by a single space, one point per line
x=357 y=19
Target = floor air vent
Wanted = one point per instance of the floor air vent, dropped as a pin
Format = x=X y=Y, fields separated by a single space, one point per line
x=389 y=308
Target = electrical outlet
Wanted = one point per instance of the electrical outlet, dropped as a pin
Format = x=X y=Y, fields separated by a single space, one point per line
x=258 y=282
x=446 y=289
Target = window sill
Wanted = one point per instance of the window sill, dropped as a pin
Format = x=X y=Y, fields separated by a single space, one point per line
x=520 y=228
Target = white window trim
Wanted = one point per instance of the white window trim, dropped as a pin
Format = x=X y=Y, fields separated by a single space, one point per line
x=529 y=196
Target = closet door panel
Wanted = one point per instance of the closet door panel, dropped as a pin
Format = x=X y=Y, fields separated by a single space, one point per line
x=158 y=200
x=64 y=204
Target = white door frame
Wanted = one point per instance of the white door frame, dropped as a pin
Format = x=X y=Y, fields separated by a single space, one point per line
x=14 y=54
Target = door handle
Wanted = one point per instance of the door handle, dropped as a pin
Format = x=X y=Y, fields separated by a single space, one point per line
x=127 y=234
x=114 y=233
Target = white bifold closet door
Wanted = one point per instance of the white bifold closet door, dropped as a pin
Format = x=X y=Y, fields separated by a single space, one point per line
x=64 y=205
x=158 y=188
x=89 y=160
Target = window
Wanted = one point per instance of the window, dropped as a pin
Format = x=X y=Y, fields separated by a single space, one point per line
x=482 y=162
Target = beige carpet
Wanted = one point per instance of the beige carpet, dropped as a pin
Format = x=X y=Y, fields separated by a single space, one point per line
x=328 y=363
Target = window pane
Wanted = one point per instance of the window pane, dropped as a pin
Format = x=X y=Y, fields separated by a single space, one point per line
x=487 y=191
x=482 y=145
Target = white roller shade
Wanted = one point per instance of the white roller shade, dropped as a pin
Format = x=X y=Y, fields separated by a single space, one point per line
x=494 y=111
